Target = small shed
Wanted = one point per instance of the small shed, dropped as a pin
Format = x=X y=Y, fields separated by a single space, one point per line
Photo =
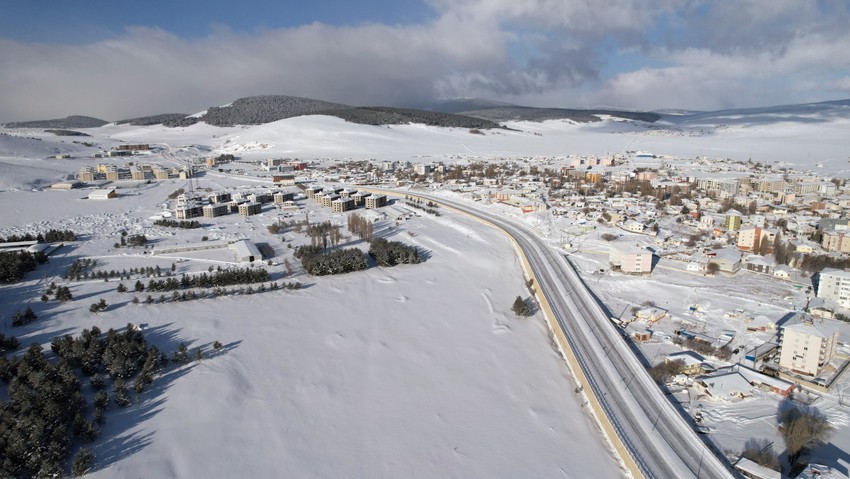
x=103 y=194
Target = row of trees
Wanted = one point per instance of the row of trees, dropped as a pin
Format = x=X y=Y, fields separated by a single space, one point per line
x=8 y=343
x=14 y=265
x=186 y=225
x=360 y=227
x=46 y=410
x=217 y=278
x=324 y=235
x=318 y=262
x=50 y=236
x=21 y=318
x=391 y=253
x=215 y=292
x=80 y=267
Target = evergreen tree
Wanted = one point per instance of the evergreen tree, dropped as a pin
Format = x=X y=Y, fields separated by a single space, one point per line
x=520 y=307
x=83 y=462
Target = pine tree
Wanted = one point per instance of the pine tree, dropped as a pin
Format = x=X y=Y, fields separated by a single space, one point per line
x=520 y=308
x=83 y=462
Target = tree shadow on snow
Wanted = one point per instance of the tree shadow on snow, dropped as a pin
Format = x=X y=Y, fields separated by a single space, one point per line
x=123 y=435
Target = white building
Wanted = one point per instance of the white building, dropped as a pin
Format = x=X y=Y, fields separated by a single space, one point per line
x=103 y=194
x=834 y=284
x=807 y=344
x=630 y=259
x=246 y=251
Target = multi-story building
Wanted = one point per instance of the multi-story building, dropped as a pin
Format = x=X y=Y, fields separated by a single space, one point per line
x=250 y=208
x=732 y=221
x=807 y=344
x=834 y=284
x=723 y=187
x=341 y=205
x=328 y=199
x=422 y=169
x=835 y=240
x=215 y=209
x=376 y=201
x=282 y=197
x=187 y=212
x=630 y=259
x=753 y=238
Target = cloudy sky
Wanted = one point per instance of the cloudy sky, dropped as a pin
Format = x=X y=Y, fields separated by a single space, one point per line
x=117 y=60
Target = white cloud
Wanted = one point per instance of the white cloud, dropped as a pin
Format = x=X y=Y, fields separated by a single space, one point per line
x=544 y=52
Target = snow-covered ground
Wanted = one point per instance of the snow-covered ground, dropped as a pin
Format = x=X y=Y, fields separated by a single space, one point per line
x=416 y=371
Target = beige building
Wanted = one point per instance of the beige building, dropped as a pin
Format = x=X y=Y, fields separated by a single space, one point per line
x=188 y=212
x=250 y=208
x=341 y=205
x=327 y=200
x=752 y=237
x=732 y=222
x=807 y=344
x=376 y=201
x=834 y=240
x=630 y=259
x=216 y=209
x=280 y=197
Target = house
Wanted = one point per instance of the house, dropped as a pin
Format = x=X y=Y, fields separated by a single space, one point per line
x=782 y=272
x=692 y=362
x=760 y=352
x=759 y=264
x=103 y=194
x=753 y=470
x=724 y=386
x=767 y=383
x=633 y=226
x=630 y=259
x=727 y=259
x=642 y=335
x=651 y=314
x=807 y=343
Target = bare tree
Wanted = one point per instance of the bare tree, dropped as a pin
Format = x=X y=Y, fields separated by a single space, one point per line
x=761 y=452
x=803 y=428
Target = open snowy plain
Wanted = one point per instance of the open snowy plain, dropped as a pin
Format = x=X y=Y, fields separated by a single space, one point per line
x=416 y=371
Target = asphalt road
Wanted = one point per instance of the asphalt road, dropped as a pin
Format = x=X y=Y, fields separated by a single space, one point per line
x=659 y=438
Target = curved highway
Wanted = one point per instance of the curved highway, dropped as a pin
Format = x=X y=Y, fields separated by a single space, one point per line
x=659 y=440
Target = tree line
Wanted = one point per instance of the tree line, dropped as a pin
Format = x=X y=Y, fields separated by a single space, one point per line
x=186 y=225
x=48 y=412
x=317 y=261
x=50 y=236
x=217 y=278
x=391 y=253
x=14 y=265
